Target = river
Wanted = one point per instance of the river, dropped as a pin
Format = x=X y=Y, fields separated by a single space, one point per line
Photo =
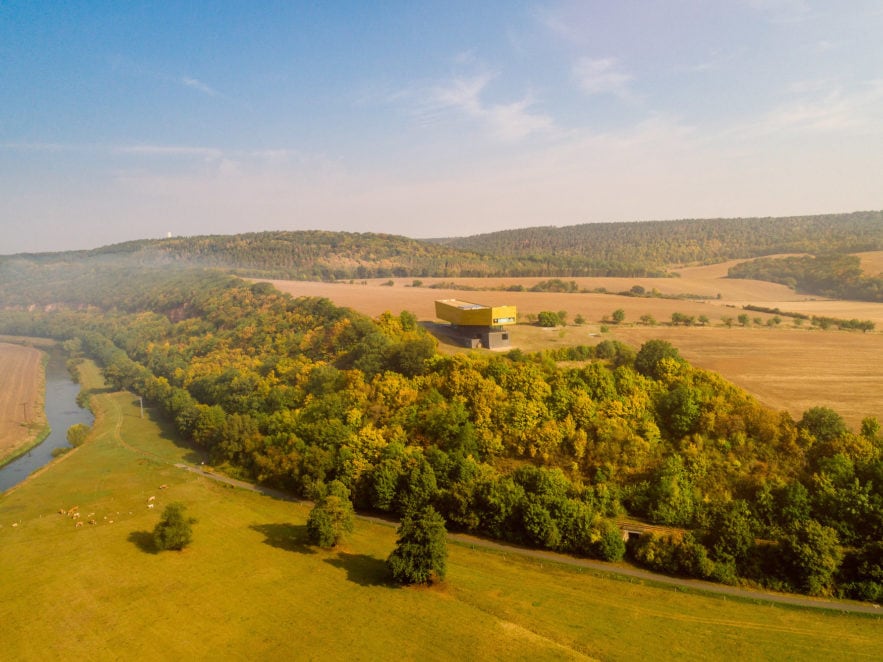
x=62 y=411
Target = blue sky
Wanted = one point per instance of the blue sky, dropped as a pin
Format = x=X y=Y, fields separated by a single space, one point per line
x=127 y=120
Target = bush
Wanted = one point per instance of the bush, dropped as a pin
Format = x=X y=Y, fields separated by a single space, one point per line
x=673 y=553
x=548 y=319
x=174 y=530
x=77 y=433
x=609 y=544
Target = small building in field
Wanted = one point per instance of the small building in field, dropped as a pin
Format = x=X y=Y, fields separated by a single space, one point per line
x=476 y=325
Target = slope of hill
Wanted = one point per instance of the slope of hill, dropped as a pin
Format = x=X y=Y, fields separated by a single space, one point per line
x=640 y=249
x=686 y=241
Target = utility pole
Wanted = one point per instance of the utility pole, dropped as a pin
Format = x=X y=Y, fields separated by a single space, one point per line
x=141 y=402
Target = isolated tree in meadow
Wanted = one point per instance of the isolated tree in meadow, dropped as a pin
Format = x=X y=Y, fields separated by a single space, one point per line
x=331 y=519
x=174 y=530
x=618 y=316
x=77 y=433
x=421 y=552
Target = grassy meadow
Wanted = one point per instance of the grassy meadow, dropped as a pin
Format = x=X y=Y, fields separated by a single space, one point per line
x=250 y=587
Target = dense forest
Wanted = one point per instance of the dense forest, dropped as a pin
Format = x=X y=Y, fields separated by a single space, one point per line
x=638 y=249
x=548 y=450
x=829 y=275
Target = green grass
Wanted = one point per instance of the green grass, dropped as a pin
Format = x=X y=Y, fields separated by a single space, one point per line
x=250 y=587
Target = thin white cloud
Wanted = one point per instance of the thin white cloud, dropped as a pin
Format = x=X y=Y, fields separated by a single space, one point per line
x=823 y=106
x=197 y=85
x=602 y=76
x=508 y=122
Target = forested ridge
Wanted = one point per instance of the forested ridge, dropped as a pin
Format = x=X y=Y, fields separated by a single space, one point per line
x=829 y=275
x=687 y=241
x=297 y=393
x=595 y=249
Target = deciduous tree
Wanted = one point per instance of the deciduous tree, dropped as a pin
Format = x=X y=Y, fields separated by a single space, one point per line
x=174 y=530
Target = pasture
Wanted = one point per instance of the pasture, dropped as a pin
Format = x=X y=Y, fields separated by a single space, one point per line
x=250 y=587
x=21 y=398
x=785 y=366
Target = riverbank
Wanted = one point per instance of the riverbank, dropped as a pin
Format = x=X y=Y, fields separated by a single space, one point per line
x=58 y=410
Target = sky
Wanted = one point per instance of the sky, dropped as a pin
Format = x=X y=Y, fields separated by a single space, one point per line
x=133 y=120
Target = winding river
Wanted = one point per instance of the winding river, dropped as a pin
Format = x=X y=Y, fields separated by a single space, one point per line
x=62 y=411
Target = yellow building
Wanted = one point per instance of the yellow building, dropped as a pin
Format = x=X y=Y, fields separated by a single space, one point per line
x=475 y=324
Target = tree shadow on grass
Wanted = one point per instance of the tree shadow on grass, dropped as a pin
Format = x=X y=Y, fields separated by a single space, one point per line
x=169 y=432
x=143 y=540
x=364 y=570
x=290 y=537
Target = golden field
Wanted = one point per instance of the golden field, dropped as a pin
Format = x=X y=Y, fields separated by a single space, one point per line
x=787 y=367
x=21 y=397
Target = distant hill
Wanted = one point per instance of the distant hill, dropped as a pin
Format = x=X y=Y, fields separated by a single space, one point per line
x=638 y=249
x=659 y=243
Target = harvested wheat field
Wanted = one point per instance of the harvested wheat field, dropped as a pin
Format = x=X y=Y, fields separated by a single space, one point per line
x=788 y=369
x=785 y=367
x=21 y=400
x=872 y=262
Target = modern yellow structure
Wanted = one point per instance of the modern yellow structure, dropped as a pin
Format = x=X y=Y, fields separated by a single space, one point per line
x=463 y=313
x=475 y=324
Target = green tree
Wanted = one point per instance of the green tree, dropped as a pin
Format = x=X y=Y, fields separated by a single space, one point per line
x=331 y=518
x=420 y=556
x=618 y=316
x=174 y=530
x=548 y=319
x=651 y=353
x=77 y=433
x=730 y=536
x=811 y=555
x=607 y=542
x=823 y=424
x=679 y=411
